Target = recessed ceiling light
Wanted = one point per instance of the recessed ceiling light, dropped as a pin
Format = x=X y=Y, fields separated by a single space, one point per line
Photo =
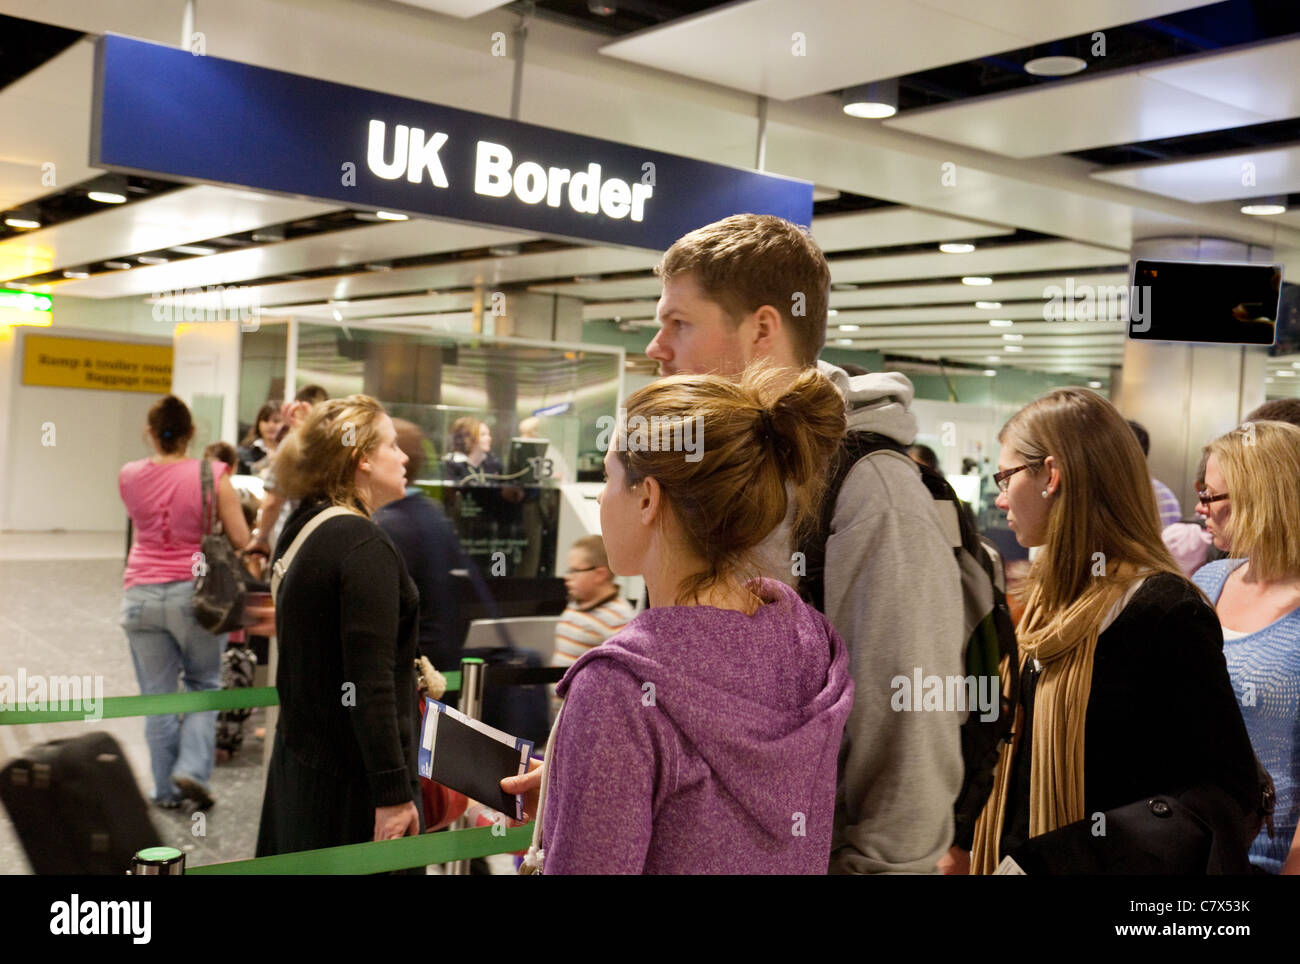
x=956 y=247
x=975 y=279
x=106 y=197
x=850 y=327
x=338 y=316
x=1012 y=348
x=1001 y=322
x=844 y=341
x=118 y=265
x=843 y=286
x=990 y=372
x=1013 y=337
x=988 y=305
x=1264 y=208
x=76 y=274
x=873 y=101
x=1055 y=66
x=1295 y=364
x=150 y=259
x=833 y=312
x=1094 y=384
x=993 y=358
x=1283 y=372
x=26 y=224
x=193 y=249
x=391 y=216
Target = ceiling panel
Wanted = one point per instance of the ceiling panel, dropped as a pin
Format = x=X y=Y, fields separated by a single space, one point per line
x=386 y=307
x=457 y=8
x=895 y=226
x=183 y=216
x=753 y=46
x=376 y=242
x=490 y=272
x=1252 y=78
x=959 y=294
x=45 y=117
x=1004 y=259
x=1219 y=178
x=1075 y=115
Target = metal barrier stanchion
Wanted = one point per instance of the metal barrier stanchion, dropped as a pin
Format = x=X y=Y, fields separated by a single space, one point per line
x=158 y=861
x=471 y=704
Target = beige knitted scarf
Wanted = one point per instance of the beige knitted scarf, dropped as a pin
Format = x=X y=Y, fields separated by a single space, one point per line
x=1064 y=644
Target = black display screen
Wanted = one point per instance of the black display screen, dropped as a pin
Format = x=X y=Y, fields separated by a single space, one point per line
x=1196 y=301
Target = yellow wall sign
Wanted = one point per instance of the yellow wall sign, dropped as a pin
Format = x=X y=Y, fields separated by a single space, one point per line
x=115 y=366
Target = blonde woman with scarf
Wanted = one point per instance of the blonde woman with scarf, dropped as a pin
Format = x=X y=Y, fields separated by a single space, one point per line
x=1124 y=691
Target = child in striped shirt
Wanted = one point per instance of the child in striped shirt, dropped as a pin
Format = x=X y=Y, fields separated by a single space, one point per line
x=596 y=611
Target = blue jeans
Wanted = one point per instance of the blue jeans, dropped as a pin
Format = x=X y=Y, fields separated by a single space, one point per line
x=167 y=643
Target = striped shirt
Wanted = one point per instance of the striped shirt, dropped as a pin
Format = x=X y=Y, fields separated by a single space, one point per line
x=1166 y=504
x=582 y=629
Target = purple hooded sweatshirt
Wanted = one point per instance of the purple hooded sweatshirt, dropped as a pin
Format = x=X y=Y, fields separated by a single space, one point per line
x=701 y=740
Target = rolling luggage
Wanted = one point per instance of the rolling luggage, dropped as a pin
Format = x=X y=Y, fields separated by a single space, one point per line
x=76 y=808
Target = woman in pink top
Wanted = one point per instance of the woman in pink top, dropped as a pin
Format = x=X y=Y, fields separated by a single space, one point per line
x=164 y=498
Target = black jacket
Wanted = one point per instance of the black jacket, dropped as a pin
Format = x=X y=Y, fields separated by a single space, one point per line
x=1162 y=718
x=346 y=624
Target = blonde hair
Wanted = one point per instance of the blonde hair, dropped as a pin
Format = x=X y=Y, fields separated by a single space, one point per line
x=757 y=434
x=749 y=260
x=464 y=433
x=594 y=548
x=1260 y=463
x=1105 y=503
x=318 y=460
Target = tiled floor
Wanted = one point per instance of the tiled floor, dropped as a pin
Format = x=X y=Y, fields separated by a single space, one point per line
x=59 y=602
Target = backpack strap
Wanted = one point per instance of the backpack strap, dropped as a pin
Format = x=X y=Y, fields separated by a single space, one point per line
x=281 y=567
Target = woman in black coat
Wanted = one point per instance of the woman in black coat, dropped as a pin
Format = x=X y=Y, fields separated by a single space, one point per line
x=343 y=766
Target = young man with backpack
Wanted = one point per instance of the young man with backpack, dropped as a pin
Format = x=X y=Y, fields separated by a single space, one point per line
x=755 y=287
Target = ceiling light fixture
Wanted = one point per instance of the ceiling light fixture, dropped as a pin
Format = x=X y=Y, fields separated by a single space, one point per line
x=993 y=358
x=842 y=286
x=192 y=249
x=26 y=224
x=1094 y=384
x=1265 y=206
x=150 y=259
x=833 y=312
x=1011 y=337
x=106 y=197
x=990 y=372
x=850 y=327
x=975 y=279
x=988 y=305
x=76 y=274
x=1012 y=348
x=873 y=101
x=844 y=341
x=1055 y=66
x=391 y=216
x=1283 y=372
x=956 y=247
x=1001 y=322
x=118 y=265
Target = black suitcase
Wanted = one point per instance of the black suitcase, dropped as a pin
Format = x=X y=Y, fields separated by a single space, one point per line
x=76 y=807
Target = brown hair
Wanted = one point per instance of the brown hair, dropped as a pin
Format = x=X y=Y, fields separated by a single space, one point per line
x=464 y=433
x=311 y=394
x=1278 y=410
x=170 y=424
x=319 y=459
x=411 y=441
x=1106 y=504
x=749 y=260
x=264 y=414
x=771 y=427
x=1260 y=464
x=594 y=547
x=223 y=452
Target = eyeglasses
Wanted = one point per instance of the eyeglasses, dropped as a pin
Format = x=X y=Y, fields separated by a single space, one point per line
x=1205 y=498
x=1003 y=478
x=574 y=572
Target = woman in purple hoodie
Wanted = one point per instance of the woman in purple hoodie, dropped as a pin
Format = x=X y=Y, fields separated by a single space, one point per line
x=703 y=737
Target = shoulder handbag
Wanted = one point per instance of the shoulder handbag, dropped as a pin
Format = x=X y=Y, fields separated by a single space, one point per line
x=219 y=577
x=281 y=567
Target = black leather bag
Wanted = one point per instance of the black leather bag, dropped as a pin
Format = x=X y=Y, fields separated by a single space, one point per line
x=220 y=580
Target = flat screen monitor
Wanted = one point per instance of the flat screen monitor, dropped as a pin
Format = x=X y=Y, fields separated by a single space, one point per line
x=1288 y=321
x=1209 y=302
x=522 y=452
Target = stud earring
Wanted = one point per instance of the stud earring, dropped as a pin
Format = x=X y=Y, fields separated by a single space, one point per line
x=1044 y=493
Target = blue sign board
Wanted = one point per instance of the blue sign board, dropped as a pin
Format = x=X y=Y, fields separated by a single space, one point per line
x=163 y=111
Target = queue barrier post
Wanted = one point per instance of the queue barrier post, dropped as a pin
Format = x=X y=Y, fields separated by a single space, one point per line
x=471 y=704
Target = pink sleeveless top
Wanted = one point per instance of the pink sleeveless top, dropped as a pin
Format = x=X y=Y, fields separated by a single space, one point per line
x=165 y=502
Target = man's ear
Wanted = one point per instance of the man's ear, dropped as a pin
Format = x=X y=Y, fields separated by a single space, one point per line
x=768 y=332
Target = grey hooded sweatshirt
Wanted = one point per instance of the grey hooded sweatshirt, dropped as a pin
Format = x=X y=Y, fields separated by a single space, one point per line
x=893 y=593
